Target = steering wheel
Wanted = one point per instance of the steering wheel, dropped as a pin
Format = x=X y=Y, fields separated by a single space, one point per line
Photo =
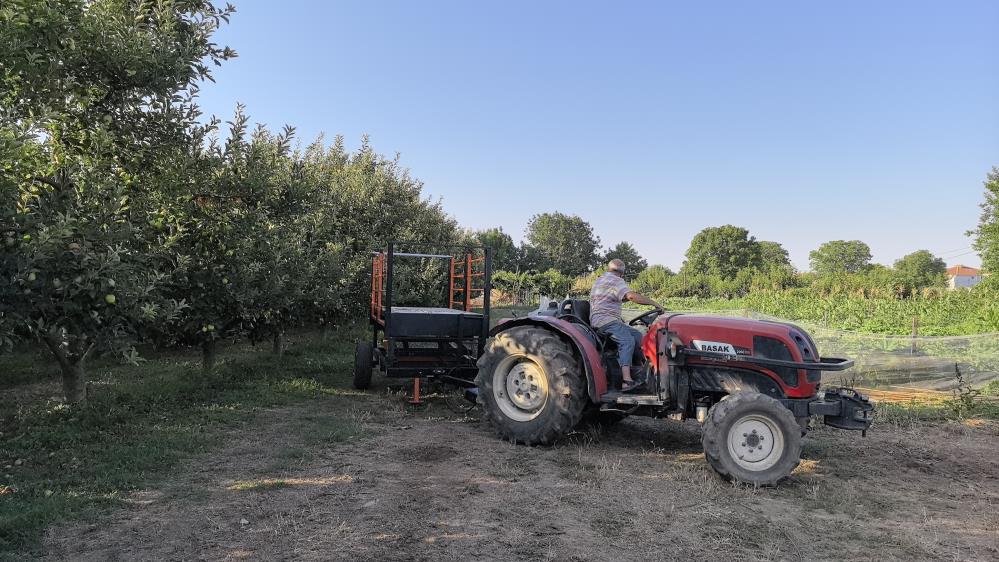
x=646 y=318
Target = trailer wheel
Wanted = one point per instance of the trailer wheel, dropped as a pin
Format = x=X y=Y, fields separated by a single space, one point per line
x=362 y=365
x=752 y=438
x=531 y=385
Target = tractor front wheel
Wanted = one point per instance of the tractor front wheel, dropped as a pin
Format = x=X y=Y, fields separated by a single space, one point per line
x=363 y=359
x=531 y=385
x=752 y=438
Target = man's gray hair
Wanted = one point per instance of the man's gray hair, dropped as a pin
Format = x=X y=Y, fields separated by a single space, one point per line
x=617 y=265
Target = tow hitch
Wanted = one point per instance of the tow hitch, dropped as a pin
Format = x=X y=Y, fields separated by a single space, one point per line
x=841 y=407
x=855 y=411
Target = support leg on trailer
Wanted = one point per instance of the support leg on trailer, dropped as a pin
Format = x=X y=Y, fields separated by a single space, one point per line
x=416 y=401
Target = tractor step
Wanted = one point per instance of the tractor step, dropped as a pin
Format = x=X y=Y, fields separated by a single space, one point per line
x=616 y=397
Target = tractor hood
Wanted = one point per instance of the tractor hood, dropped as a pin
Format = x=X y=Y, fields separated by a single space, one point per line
x=784 y=350
x=778 y=346
x=740 y=336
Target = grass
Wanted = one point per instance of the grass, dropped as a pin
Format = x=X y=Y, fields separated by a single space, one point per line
x=498 y=313
x=25 y=368
x=58 y=462
x=915 y=412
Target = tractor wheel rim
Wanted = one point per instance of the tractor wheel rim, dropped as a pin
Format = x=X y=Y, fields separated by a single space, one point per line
x=520 y=388
x=755 y=442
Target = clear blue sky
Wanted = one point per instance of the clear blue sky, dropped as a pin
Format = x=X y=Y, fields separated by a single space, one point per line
x=801 y=121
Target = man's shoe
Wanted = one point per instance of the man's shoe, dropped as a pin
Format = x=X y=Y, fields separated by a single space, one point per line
x=630 y=386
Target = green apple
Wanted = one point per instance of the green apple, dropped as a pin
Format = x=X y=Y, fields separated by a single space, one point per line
x=32 y=276
x=110 y=299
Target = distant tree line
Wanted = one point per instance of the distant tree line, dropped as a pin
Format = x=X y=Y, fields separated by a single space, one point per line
x=561 y=255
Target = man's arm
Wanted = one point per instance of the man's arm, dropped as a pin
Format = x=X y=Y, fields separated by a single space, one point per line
x=642 y=299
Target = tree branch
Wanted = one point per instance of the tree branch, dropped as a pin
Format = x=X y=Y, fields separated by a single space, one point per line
x=87 y=352
x=48 y=181
x=55 y=346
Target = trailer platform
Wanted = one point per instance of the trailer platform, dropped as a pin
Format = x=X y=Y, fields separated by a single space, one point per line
x=433 y=322
x=439 y=342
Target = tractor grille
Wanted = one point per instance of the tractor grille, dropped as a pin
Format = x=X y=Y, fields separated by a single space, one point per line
x=772 y=348
x=809 y=354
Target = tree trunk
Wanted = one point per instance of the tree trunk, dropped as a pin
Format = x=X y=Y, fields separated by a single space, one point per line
x=74 y=383
x=208 y=355
x=279 y=343
x=74 y=377
x=325 y=332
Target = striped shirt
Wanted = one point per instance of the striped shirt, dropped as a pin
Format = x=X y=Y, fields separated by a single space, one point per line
x=606 y=297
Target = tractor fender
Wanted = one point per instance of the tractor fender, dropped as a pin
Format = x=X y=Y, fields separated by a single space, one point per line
x=596 y=376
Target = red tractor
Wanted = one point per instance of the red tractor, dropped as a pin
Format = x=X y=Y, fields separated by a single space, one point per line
x=752 y=384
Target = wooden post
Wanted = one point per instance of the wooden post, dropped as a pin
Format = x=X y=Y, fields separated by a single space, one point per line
x=915 y=334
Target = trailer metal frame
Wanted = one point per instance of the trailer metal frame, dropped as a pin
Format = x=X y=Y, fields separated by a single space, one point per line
x=441 y=342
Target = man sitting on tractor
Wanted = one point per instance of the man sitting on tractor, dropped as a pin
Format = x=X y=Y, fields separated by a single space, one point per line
x=609 y=291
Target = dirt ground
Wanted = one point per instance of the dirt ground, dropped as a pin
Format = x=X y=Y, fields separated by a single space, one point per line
x=432 y=485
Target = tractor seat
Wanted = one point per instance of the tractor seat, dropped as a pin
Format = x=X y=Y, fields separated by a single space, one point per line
x=578 y=311
x=577 y=308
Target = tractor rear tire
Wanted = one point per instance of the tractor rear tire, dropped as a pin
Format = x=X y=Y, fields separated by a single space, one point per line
x=531 y=386
x=752 y=438
x=363 y=359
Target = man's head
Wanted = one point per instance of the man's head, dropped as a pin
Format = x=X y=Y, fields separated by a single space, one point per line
x=617 y=266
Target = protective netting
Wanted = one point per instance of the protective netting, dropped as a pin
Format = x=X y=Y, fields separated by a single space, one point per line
x=890 y=362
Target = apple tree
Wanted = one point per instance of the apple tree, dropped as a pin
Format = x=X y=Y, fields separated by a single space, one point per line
x=224 y=237
x=93 y=95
